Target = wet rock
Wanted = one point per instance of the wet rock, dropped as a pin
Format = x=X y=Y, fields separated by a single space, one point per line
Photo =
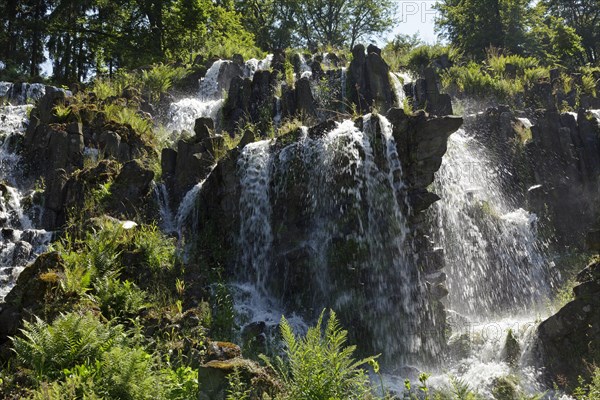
x=570 y=339
x=27 y=297
x=459 y=346
x=592 y=241
x=213 y=383
x=305 y=102
x=22 y=252
x=511 y=353
x=425 y=95
x=222 y=351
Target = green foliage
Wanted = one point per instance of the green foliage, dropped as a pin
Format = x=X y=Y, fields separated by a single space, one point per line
x=425 y=56
x=118 y=298
x=396 y=50
x=129 y=116
x=321 y=365
x=70 y=340
x=157 y=251
x=62 y=112
x=237 y=390
x=182 y=383
x=159 y=79
x=590 y=391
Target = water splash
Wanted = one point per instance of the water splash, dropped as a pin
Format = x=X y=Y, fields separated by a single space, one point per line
x=494 y=260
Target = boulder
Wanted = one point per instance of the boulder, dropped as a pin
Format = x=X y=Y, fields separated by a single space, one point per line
x=26 y=298
x=569 y=340
x=213 y=379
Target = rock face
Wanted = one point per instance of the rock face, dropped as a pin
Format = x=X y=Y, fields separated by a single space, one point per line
x=566 y=163
x=569 y=341
x=424 y=95
x=368 y=80
x=193 y=160
x=54 y=149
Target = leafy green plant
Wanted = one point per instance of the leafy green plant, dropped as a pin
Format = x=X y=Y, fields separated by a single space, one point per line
x=321 y=365
x=62 y=112
x=159 y=79
x=118 y=298
x=129 y=116
x=237 y=390
x=70 y=340
x=157 y=250
x=182 y=383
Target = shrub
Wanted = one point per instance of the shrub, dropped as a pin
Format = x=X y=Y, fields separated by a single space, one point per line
x=159 y=79
x=117 y=298
x=70 y=340
x=320 y=365
x=129 y=116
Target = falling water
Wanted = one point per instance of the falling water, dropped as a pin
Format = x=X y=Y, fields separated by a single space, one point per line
x=19 y=241
x=497 y=275
x=494 y=260
x=343 y=80
x=255 y=210
x=398 y=89
x=183 y=113
x=354 y=201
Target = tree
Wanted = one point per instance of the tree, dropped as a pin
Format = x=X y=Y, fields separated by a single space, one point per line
x=554 y=41
x=474 y=26
x=584 y=17
x=338 y=23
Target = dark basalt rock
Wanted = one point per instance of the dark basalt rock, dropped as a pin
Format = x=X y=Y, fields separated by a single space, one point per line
x=193 y=159
x=368 y=81
x=424 y=95
x=130 y=190
x=569 y=340
x=26 y=299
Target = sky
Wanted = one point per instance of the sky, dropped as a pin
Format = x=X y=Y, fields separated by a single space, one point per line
x=415 y=16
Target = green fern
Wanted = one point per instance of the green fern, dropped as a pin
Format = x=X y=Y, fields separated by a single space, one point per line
x=70 y=340
x=321 y=365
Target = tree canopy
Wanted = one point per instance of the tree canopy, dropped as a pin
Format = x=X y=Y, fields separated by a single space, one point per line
x=84 y=37
x=557 y=31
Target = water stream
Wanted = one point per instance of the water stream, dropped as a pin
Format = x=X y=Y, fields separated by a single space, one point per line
x=20 y=242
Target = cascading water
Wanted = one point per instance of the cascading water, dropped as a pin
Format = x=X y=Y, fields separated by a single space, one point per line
x=398 y=89
x=183 y=113
x=494 y=260
x=19 y=241
x=350 y=226
x=497 y=275
x=182 y=116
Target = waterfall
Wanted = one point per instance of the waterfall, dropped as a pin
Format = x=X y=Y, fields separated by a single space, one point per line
x=497 y=275
x=349 y=223
x=494 y=260
x=398 y=89
x=183 y=113
x=20 y=242
x=167 y=221
x=305 y=69
x=255 y=210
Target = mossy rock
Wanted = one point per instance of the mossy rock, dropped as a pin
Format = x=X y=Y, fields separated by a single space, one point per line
x=213 y=379
x=505 y=388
